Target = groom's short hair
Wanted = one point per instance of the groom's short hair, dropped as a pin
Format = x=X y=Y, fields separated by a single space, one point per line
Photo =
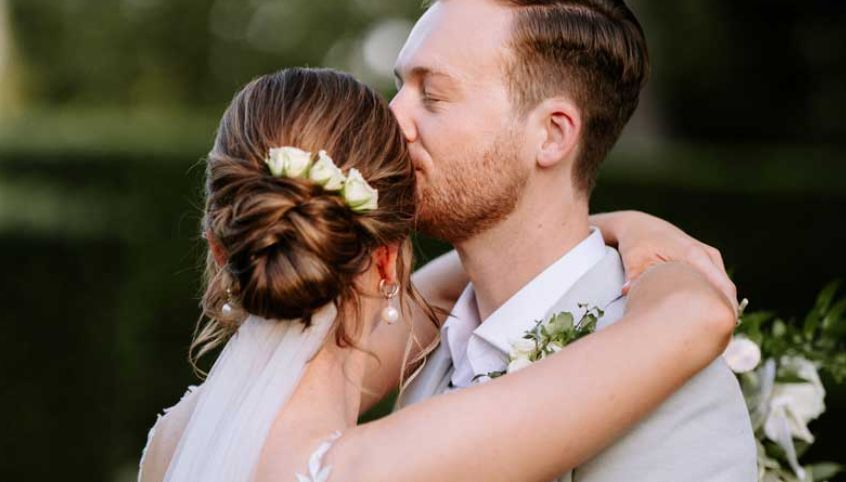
x=595 y=52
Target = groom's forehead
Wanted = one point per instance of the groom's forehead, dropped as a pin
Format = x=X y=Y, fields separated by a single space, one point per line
x=456 y=36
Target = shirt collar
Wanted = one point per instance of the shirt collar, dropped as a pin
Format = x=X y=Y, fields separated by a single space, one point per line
x=511 y=320
x=459 y=326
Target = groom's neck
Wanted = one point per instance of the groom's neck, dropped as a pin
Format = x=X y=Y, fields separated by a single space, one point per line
x=505 y=258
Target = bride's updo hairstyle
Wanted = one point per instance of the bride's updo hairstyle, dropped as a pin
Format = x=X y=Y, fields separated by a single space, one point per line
x=291 y=246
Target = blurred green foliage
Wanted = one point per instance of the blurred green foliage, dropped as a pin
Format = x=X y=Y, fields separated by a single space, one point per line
x=177 y=54
x=752 y=70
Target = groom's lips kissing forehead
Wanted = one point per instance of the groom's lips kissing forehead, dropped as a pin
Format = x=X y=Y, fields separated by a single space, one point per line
x=418 y=157
x=418 y=165
x=442 y=72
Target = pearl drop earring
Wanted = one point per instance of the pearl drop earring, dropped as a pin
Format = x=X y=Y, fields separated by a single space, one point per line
x=389 y=291
x=227 y=307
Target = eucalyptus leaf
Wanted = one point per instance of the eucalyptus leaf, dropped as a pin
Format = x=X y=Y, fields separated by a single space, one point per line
x=801 y=447
x=826 y=296
x=812 y=321
x=834 y=316
x=824 y=471
x=559 y=331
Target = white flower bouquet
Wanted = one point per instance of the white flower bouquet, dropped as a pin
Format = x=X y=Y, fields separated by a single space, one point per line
x=778 y=365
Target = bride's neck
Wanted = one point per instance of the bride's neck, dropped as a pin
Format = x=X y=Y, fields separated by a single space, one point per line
x=332 y=383
x=328 y=397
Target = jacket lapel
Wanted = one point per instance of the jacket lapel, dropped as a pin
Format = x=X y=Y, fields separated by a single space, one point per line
x=599 y=287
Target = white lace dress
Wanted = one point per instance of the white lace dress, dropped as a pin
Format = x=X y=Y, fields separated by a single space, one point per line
x=217 y=432
x=316 y=471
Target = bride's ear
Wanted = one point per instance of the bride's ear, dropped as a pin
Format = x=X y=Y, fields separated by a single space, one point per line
x=386 y=262
x=217 y=250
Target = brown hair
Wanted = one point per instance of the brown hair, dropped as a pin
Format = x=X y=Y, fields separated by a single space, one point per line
x=593 y=50
x=291 y=246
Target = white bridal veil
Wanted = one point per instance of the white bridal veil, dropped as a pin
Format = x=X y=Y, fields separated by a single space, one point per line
x=255 y=375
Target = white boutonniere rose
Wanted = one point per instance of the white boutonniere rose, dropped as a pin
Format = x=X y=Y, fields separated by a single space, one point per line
x=517 y=364
x=520 y=356
x=548 y=337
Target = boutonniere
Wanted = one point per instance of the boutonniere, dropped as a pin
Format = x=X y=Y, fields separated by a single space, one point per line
x=548 y=337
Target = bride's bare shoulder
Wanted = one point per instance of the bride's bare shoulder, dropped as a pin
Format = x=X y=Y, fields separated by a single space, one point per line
x=165 y=435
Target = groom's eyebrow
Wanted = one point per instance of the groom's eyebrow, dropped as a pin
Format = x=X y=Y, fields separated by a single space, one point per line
x=422 y=72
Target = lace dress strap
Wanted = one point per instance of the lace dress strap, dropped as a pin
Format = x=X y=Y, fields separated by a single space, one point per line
x=316 y=471
x=172 y=433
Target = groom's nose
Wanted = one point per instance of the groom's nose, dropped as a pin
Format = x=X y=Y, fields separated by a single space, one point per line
x=399 y=106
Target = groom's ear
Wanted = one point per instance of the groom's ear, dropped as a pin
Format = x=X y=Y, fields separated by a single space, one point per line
x=559 y=122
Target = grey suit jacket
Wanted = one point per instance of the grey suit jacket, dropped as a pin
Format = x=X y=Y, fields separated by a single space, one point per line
x=701 y=434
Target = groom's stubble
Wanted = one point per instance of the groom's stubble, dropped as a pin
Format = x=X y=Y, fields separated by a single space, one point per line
x=471 y=192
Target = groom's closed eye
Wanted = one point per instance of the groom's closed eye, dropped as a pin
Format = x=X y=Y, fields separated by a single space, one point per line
x=429 y=98
x=438 y=89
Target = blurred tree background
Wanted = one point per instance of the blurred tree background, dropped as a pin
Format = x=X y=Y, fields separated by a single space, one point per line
x=107 y=108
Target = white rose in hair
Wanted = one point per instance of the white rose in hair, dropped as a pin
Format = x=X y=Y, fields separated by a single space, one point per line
x=742 y=354
x=297 y=161
x=288 y=161
x=326 y=173
x=358 y=194
x=276 y=162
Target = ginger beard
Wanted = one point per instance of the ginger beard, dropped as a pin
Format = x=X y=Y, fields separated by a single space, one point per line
x=469 y=193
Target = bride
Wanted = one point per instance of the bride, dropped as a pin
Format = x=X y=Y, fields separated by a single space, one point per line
x=310 y=203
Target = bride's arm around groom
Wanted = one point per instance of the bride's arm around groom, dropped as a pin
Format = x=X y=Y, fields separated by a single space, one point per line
x=641 y=239
x=681 y=323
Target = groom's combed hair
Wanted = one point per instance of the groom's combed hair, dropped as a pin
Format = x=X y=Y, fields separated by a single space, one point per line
x=592 y=50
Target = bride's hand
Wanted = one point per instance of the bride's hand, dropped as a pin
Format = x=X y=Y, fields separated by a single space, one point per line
x=682 y=292
x=644 y=240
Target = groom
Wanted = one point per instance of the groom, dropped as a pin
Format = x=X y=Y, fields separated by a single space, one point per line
x=509 y=107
